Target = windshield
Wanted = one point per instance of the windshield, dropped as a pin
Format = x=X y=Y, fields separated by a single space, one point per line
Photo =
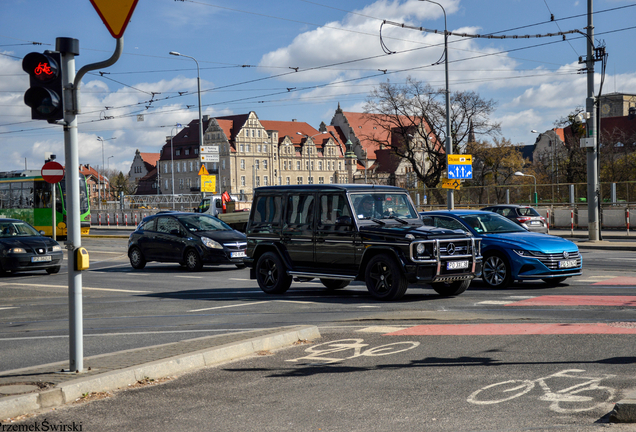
x=203 y=223
x=491 y=223
x=383 y=206
x=17 y=229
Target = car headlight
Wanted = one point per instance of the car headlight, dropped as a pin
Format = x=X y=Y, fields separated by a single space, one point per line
x=56 y=248
x=525 y=253
x=208 y=242
x=17 y=250
x=420 y=248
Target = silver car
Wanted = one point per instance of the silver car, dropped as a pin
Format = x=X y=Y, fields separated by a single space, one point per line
x=526 y=216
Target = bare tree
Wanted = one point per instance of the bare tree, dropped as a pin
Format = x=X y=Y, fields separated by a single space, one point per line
x=411 y=119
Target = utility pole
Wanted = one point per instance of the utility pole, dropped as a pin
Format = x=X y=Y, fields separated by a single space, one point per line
x=591 y=138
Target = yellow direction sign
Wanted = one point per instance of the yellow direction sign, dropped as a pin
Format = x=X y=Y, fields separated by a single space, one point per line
x=460 y=159
x=451 y=184
x=115 y=14
x=208 y=183
x=203 y=171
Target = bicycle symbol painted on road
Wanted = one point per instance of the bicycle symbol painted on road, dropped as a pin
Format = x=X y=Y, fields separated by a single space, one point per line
x=320 y=351
x=584 y=396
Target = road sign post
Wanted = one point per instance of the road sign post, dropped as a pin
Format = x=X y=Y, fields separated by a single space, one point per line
x=52 y=173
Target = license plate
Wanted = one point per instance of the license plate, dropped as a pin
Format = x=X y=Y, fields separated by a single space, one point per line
x=567 y=263
x=238 y=254
x=455 y=265
x=43 y=258
x=534 y=222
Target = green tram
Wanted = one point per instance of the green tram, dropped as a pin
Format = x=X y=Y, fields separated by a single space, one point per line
x=26 y=196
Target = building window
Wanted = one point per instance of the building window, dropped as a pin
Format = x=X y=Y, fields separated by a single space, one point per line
x=191 y=166
x=258 y=181
x=178 y=167
x=320 y=166
x=258 y=133
x=310 y=180
x=265 y=148
x=265 y=181
x=247 y=133
x=253 y=133
x=331 y=179
x=299 y=180
x=177 y=152
x=256 y=164
x=223 y=164
x=297 y=165
x=287 y=180
x=187 y=151
x=258 y=148
x=285 y=165
x=180 y=183
x=264 y=163
x=339 y=166
x=306 y=165
x=321 y=180
x=242 y=164
x=167 y=185
x=247 y=148
x=165 y=168
x=184 y=167
x=242 y=180
x=224 y=182
x=242 y=148
x=312 y=165
x=196 y=151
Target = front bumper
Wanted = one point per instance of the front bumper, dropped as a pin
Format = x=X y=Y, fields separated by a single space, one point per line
x=22 y=262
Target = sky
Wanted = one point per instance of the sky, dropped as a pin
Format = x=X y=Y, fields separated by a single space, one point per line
x=298 y=59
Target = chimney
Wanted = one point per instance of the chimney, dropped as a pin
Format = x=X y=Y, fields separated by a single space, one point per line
x=206 y=117
x=294 y=120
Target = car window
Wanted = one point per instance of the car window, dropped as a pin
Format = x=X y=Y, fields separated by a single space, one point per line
x=300 y=211
x=448 y=223
x=167 y=224
x=332 y=207
x=149 y=225
x=204 y=206
x=504 y=211
x=491 y=223
x=383 y=206
x=203 y=223
x=428 y=220
x=527 y=211
x=17 y=229
x=268 y=210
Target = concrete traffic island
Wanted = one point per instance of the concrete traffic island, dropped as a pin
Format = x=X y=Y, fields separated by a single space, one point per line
x=32 y=389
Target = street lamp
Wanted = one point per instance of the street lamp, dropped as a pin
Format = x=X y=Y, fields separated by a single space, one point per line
x=174 y=53
x=309 y=152
x=177 y=126
x=519 y=173
x=449 y=139
x=99 y=179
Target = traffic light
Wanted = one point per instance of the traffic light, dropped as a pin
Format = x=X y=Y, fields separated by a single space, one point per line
x=45 y=96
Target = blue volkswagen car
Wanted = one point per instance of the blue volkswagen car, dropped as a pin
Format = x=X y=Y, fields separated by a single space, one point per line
x=510 y=251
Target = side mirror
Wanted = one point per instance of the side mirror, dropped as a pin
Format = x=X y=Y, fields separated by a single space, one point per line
x=344 y=220
x=42 y=232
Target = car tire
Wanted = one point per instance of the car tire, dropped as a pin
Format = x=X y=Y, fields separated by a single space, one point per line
x=554 y=281
x=271 y=274
x=496 y=271
x=334 y=284
x=193 y=260
x=137 y=259
x=450 y=289
x=384 y=278
x=53 y=270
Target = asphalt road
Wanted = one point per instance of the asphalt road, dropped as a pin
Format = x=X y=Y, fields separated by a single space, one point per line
x=429 y=386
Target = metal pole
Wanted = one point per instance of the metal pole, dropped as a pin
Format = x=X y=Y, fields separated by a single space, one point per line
x=592 y=168
x=53 y=222
x=172 y=169
x=73 y=227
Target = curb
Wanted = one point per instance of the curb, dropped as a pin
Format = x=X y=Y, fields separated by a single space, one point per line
x=69 y=391
x=624 y=410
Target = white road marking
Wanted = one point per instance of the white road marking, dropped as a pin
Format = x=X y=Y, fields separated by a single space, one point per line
x=66 y=287
x=496 y=302
x=229 y=306
x=362 y=307
x=9 y=307
x=190 y=277
x=381 y=329
x=133 y=333
x=295 y=301
x=237 y=279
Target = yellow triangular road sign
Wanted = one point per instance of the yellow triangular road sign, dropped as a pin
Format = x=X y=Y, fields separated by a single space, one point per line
x=115 y=14
x=203 y=171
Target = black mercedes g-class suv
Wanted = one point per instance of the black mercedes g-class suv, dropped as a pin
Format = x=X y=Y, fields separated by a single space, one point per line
x=341 y=233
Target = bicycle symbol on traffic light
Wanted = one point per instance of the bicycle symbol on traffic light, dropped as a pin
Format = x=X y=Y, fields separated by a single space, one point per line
x=43 y=68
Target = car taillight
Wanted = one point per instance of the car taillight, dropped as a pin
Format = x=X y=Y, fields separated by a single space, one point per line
x=523 y=219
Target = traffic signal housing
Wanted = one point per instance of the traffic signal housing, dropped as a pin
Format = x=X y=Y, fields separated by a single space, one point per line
x=45 y=96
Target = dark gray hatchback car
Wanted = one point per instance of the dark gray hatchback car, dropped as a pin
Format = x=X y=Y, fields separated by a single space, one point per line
x=525 y=216
x=342 y=233
x=190 y=239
